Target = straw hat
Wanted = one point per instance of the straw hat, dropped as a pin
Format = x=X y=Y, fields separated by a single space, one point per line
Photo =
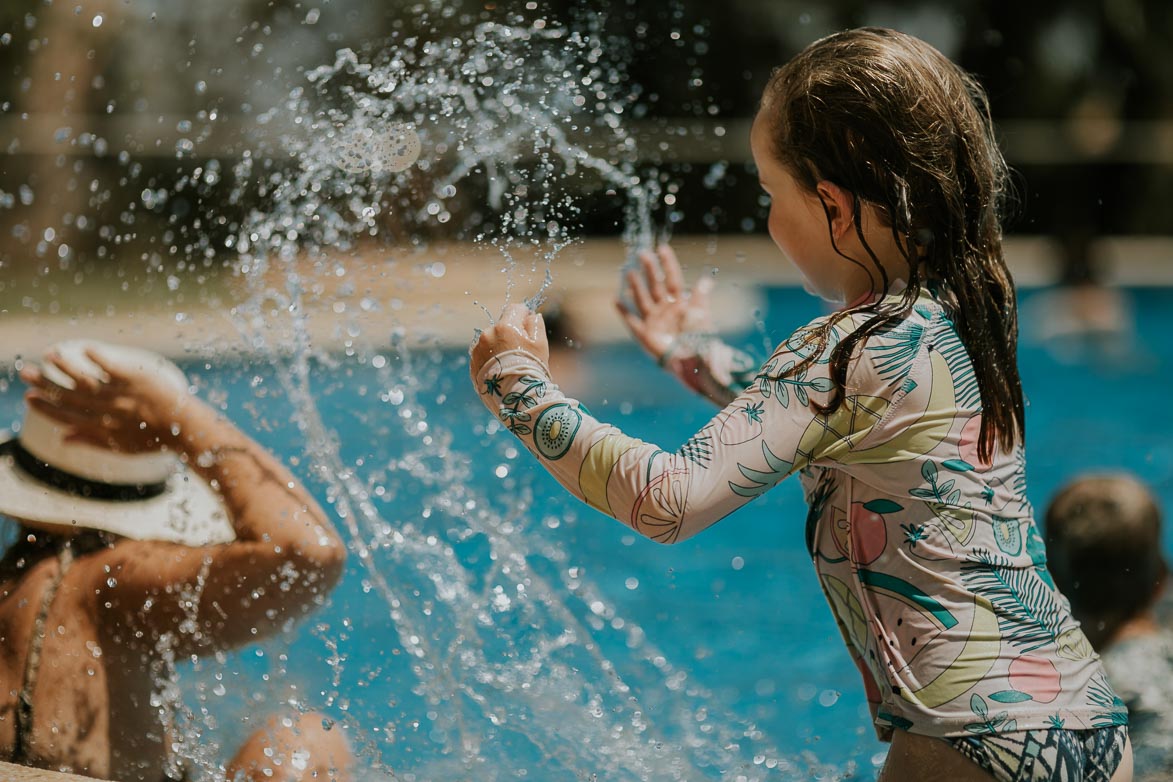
x=49 y=483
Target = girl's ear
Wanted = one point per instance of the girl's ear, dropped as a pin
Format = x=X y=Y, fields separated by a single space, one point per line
x=840 y=206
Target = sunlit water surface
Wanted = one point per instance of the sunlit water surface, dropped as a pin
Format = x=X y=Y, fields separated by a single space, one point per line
x=490 y=624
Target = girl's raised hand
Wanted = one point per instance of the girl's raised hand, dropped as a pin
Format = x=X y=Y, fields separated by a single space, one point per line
x=518 y=327
x=661 y=309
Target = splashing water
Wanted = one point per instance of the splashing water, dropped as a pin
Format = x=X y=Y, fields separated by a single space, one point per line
x=498 y=631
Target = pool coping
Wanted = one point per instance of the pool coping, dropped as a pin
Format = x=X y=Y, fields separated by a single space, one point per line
x=437 y=296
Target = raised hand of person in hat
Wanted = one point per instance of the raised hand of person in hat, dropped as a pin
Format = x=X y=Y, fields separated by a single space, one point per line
x=662 y=310
x=121 y=407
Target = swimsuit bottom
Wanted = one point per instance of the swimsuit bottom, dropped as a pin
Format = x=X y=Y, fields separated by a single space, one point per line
x=1055 y=755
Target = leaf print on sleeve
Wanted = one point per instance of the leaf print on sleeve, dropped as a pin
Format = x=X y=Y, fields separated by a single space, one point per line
x=761 y=481
x=949 y=344
x=740 y=424
x=698 y=449
x=493 y=385
x=512 y=414
x=817 y=340
x=1029 y=613
x=899 y=348
x=780 y=382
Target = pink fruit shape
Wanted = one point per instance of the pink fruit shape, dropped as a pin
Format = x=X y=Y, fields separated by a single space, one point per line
x=1036 y=676
x=869 y=534
x=968 y=445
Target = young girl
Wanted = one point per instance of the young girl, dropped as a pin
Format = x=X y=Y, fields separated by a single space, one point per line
x=902 y=413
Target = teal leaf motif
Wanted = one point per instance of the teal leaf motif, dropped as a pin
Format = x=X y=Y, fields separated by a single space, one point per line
x=952 y=349
x=957 y=465
x=822 y=384
x=998 y=723
x=929 y=471
x=764 y=378
x=779 y=383
x=1028 y=611
x=1100 y=693
x=762 y=480
x=1038 y=554
x=898 y=349
x=800 y=394
x=782 y=392
x=698 y=450
x=753 y=412
x=913 y=533
x=512 y=414
x=882 y=506
x=1010 y=696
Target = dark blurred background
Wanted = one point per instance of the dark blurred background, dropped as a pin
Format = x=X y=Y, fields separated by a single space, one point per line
x=121 y=120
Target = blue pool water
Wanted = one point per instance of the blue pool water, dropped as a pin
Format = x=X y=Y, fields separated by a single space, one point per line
x=736 y=609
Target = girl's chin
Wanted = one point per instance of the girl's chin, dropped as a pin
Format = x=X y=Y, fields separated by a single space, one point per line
x=831 y=297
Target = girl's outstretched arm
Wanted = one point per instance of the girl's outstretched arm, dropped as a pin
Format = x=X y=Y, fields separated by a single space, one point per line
x=675 y=326
x=765 y=434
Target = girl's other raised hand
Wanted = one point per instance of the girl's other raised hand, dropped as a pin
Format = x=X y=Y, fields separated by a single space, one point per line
x=661 y=309
x=519 y=327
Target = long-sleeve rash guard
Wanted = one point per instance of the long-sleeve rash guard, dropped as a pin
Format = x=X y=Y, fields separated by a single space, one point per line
x=929 y=557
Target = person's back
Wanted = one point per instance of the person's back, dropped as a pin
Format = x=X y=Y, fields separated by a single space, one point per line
x=84 y=666
x=1103 y=536
x=90 y=621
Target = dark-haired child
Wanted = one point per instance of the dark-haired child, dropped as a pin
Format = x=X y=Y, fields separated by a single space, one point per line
x=1103 y=536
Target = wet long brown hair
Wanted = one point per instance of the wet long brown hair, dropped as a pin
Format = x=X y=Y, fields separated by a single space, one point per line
x=897 y=124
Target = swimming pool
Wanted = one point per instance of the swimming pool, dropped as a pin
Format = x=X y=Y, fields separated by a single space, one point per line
x=535 y=638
